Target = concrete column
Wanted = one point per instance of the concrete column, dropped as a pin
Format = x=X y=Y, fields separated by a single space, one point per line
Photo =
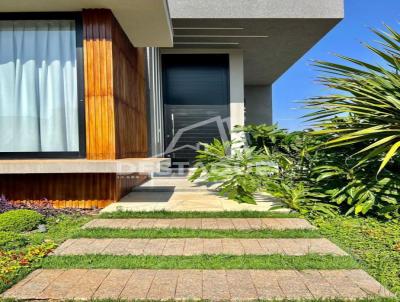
x=258 y=104
x=236 y=92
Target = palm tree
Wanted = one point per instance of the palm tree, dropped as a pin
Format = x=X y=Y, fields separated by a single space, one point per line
x=365 y=111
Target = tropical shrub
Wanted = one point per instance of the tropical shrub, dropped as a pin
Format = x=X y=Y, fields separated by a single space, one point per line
x=240 y=173
x=20 y=220
x=367 y=102
x=305 y=178
x=276 y=140
x=210 y=154
x=356 y=190
x=276 y=162
x=299 y=197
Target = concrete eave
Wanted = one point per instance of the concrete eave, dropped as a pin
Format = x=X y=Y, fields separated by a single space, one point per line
x=273 y=34
x=256 y=9
x=146 y=22
x=78 y=166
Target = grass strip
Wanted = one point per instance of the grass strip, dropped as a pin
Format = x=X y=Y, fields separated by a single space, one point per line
x=375 y=243
x=224 y=214
x=271 y=262
x=191 y=233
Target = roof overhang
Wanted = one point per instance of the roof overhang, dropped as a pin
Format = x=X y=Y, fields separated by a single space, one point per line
x=273 y=34
x=146 y=22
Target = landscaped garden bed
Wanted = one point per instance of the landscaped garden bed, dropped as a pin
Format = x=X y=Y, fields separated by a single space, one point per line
x=28 y=234
x=372 y=242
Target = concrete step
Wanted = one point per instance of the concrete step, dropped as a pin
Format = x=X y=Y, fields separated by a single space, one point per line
x=213 y=285
x=169 y=184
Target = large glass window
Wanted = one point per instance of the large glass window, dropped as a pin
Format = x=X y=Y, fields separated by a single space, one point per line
x=39 y=98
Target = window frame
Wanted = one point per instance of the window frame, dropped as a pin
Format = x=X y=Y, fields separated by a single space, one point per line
x=77 y=17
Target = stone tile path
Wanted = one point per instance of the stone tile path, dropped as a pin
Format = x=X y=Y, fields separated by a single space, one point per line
x=214 y=285
x=198 y=246
x=204 y=223
x=177 y=194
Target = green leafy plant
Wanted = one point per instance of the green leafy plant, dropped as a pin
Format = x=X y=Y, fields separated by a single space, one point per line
x=275 y=139
x=240 y=173
x=365 y=113
x=16 y=261
x=11 y=240
x=20 y=220
x=208 y=155
x=305 y=178
x=358 y=191
x=300 y=198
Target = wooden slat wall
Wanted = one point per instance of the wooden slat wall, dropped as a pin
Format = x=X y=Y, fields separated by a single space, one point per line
x=63 y=190
x=100 y=121
x=69 y=190
x=115 y=89
x=129 y=96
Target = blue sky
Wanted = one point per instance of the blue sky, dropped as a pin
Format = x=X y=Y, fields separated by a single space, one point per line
x=298 y=83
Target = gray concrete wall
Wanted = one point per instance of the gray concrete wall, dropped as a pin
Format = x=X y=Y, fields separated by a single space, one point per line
x=258 y=103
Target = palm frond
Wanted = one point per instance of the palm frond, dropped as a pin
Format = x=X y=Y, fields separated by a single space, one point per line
x=367 y=112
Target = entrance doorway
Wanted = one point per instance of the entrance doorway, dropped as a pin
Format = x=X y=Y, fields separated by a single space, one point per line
x=196 y=102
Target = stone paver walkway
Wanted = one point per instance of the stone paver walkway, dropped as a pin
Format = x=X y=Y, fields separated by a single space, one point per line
x=215 y=285
x=204 y=223
x=177 y=194
x=198 y=246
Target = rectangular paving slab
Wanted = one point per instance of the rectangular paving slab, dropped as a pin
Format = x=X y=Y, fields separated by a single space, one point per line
x=215 y=285
x=203 y=224
x=199 y=246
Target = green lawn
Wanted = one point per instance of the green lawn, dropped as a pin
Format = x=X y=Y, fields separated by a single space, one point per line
x=188 y=233
x=272 y=262
x=226 y=214
x=375 y=244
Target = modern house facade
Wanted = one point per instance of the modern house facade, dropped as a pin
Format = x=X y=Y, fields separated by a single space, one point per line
x=97 y=94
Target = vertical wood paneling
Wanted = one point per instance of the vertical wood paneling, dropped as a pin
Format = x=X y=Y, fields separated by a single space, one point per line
x=116 y=111
x=63 y=190
x=87 y=190
x=100 y=121
x=130 y=96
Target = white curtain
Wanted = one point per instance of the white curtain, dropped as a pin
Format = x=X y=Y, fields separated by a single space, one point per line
x=38 y=86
